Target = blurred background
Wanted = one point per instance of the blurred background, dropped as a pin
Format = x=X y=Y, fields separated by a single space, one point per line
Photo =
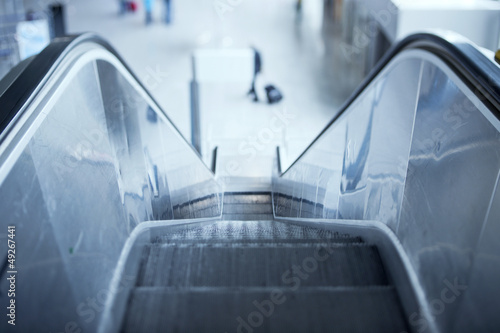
x=315 y=51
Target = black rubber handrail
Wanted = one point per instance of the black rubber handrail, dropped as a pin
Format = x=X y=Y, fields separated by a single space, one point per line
x=19 y=85
x=480 y=74
x=22 y=83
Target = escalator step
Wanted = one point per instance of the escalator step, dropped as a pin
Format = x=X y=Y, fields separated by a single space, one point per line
x=247 y=206
x=246 y=216
x=261 y=265
x=255 y=230
x=244 y=208
x=262 y=241
x=247 y=198
x=208 y=206
x=210 y=277
x=367 y=309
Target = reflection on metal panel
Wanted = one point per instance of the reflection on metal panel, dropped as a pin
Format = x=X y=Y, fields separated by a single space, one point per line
x=124 y=122
x=454 y=162
x=354 y=160
x=153 y=156
x=394 y=104
x=354 y=166
x=479 y=311
x=42 y=266
x=74 y=165
x=95 y=157
x=420 y=153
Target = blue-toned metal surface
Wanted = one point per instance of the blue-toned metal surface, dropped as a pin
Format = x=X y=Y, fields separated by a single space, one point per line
x=90 y=158
x=394 y=103
x=420 y=153
x=342 y=172
x=478 y=310
x=453 y=166
x=41 y=262
x=76 y=171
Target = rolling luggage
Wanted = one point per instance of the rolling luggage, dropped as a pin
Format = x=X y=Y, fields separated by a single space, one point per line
x=273 y=94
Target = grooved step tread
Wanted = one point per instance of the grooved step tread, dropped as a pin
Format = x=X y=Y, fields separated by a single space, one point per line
x=211 y=277
x=304 y=310
x=261 y=264
x=247 y=206
x=247 y=198
x=236 y=230
x=262 y=242
x=246 y=217
x=242 y=208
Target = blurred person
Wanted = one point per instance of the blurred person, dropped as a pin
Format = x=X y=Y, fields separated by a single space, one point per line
x=123 y=7
x=299 y=5
x=127 y=6
x=148 y=7
x=256 y=70
x=31 y=15
x=273 y=94
x=168 y=11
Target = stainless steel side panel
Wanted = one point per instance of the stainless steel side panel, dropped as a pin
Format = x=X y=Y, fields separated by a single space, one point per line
x=453 y=166
x=421 y=153
x=356 y=170
x=479 y=310
x=92 y=158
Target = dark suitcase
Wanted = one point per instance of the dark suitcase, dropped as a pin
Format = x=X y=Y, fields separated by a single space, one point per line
x=273 y=94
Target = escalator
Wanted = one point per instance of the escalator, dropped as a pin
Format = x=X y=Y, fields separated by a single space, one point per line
x=386 y=223
x=249 y=275
x=262 y=276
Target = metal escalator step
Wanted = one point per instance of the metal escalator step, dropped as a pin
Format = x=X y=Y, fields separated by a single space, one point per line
x=338 y=240
x=256 y=229
x=247 y=206
x=368 y=309
x=247 y=198
x=237 y=208
x=208 y=206
x=261 y=264
x=246 y=216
